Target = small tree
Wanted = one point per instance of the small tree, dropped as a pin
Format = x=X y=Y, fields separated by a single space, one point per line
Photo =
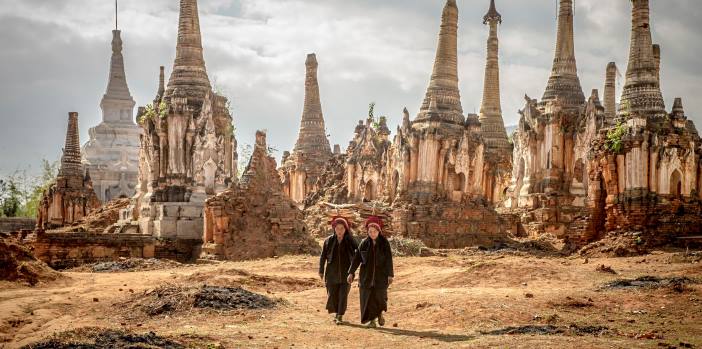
x=20 y=193
x=244 y=152
x=42 y=183
x=615 y=138
x=10 y=197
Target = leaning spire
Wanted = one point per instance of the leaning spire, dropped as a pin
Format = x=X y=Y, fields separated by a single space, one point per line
x=564 y=83
x=642 y=93
x=443 y=86
x=491 y=123
x=312 y=138
x=189 y=73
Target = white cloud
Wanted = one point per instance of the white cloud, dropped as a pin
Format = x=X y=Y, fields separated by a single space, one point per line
x=255 y=50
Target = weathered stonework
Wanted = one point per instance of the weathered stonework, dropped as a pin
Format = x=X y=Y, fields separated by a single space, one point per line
x=72 y=196
x=112 y=151
x=68 y=250
x=492 y=125
x=581 y=171
x=444 y=172
x=549 y=181
x=301 y=168
x=255 y=219
x=366 y=177
x=442 y=175
x=646 y=170
x=188 y=147
x=16 y=224
x=441 y=154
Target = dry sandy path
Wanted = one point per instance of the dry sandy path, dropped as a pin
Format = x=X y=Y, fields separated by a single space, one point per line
x=437 y=302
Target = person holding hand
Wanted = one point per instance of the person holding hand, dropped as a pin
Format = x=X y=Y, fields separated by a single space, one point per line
x=374 y=256
x=334 y=262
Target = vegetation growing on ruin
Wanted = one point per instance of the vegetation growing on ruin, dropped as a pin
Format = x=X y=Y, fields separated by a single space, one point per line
x=615 y=138
x=375 y=122
x=150 y=112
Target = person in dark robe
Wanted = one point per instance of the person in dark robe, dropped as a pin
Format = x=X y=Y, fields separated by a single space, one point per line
x=374 y=256
x=334 y=263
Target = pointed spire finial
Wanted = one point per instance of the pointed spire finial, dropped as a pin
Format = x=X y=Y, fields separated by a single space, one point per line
x=116 y=15
x=189 y=73
x=443 y=86
x=492 y=15
x=312 y=136
x=642 y=93
x=564 y=82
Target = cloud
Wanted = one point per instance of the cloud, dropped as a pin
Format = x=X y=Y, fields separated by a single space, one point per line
x=56 y=55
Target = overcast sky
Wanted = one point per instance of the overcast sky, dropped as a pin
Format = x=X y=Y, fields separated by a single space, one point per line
x=55 y=59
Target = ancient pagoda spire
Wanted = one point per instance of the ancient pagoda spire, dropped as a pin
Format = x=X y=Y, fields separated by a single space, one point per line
x=443 y=86
x=117 y=103
x=71 y=165
x=564 y=83
x=642 y=94
x=312 y=138
x=492 y=125
x=610 y=101
x=189 y=73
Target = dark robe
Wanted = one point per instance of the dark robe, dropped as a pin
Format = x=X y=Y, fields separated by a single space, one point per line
x=335 y=260
x=375 y=261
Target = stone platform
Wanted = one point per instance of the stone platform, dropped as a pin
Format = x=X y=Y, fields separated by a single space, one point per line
x=165 y=220
x=67 y=250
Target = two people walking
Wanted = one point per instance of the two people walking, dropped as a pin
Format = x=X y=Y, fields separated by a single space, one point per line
x=340 y=259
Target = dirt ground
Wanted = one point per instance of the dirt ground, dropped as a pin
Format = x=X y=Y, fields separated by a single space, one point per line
x=477 y=299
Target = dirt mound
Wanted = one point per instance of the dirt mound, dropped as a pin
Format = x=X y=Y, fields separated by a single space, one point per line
x=406 y=247
x=100 y=219
x=686 y=257
x=169 y=299
x=18 y=263
x=229 y=298
x=618 y=244
x=223 y=277
x=97 y=338
x=677 y=284
x=128 y=265
x=545 y=245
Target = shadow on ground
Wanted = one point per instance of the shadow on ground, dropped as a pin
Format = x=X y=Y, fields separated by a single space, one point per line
x=444 y=337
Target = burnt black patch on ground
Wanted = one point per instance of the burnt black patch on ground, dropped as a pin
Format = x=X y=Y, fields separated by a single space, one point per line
x=169 y=299
x=573 y=330
x=127 y=265
x=678 y=284
x=95 y=338
x=229 y=298
x=529 y=329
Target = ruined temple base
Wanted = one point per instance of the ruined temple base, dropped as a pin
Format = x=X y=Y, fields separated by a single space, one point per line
x=452 y=225
x=165 y=220
x=243 y=224
x=66 y=250
x=659 y=219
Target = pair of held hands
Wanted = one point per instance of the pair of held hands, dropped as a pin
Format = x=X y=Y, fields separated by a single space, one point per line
x=350 y=278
